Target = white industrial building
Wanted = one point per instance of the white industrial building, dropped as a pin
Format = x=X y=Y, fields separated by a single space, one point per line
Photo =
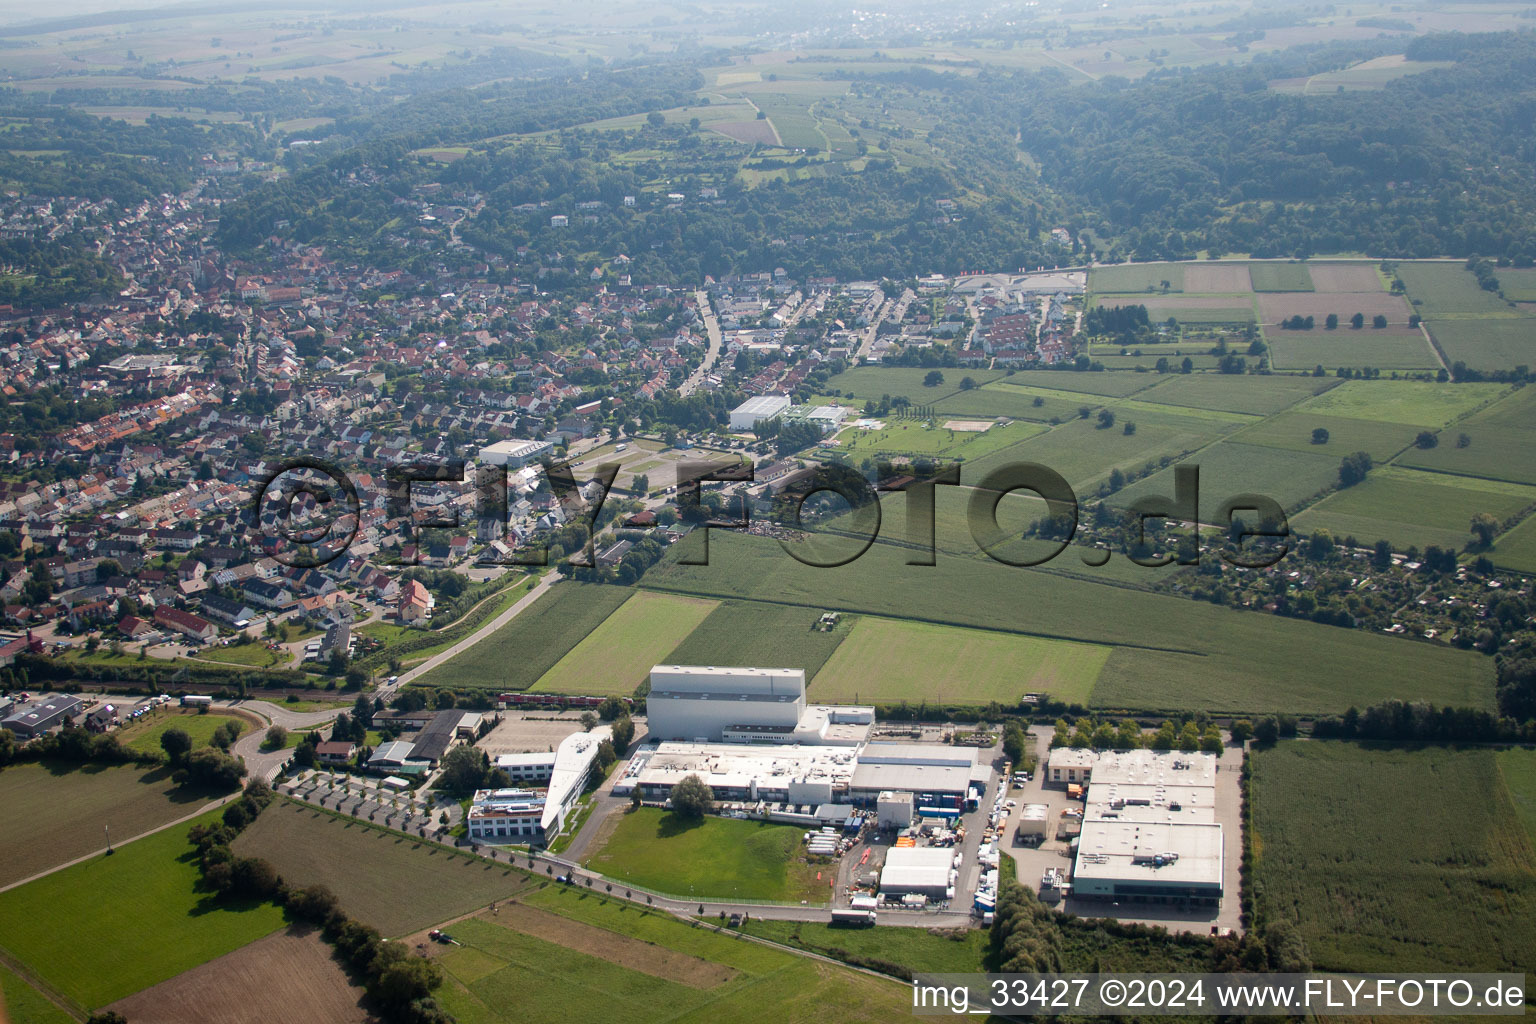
x=926 y=871
x=755 y=410
x=534 y=767
x=749 y=734
x=1149 y=832
x=515 y=454
x=705 y=704
x=574 y=758
x=894 y=810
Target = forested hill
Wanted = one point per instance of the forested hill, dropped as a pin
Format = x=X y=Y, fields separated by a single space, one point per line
x=1434 y=163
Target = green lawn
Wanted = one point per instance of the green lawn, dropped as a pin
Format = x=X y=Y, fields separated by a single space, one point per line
x=108 y=927
x=1397 y=859
x=66 y=807
x=144 y=734
x=23 y=1004
x=888 y=661
x=715 y=858
x=1409 y=506
x=253 y=655
x=617 y=656
x=517 y=654
x=393 y=882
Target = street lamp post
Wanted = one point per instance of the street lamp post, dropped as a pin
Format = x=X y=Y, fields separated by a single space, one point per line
x=108 y=830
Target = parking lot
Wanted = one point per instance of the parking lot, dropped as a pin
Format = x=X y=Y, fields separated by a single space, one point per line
x=371 y=800
x=534 y=731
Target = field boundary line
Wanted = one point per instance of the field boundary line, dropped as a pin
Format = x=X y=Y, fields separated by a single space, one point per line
x=47 y=991
x=220 y=802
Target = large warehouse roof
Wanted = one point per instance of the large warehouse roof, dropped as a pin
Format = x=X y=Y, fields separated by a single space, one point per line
x=1128 y=852
x=916 y=868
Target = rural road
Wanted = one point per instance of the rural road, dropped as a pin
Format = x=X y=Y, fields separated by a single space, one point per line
x=387 y=691
x=712 y=327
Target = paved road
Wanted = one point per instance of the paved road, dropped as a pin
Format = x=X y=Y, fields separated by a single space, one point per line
x=870 y=332
x=548 y=580
x=712 y=327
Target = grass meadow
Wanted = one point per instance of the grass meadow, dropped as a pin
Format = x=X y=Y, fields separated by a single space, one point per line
x=1419 y=403
x=602 y=959
x=144 y=735
x=1280 y=277
x=110 y=926
x=1489 y=344
x=1228 y=469
x=890 y=661
x=1398 y=859
x=1136 y=277
x=1440 y=289
x=761 y=633
x=23 y=1004
x=617 y=656
x=1235 y=393
x=1501 y=442
x=1346 y=434
x=517 y=654
x=715 y=858
x=1517 y=549
x=391 y=881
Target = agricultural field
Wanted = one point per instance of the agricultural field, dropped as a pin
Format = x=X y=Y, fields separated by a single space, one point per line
x=1345 y=277
x=20 y=1003
x=916 y=439
x=1280 y=277
x=1196 y=309
x=1488 y=344
x=1501 y=442
x=289 y=976
x=1109 y=385
x=1517 y=767
x=1004 y=399
x=595 y=959
x=1277 y=306
x=1444 y=289
x=1412 y=507
x=391 y=881
x=66 y=808
x=1229 y=469
x=1518 y=285
x=1419 y=403
x=1389 y=348
x=890 y=661
x=874 y=382
x=517 y=654
x=1293 y=429
x=963 y=951
x=1235 y=393
x=617 y=656
x=1136 y=277
x=1170 y=652
x=110 y=926
x=1458 y=894
x=758 y=633
x=714 y=858
x=1218 y=278
x=1517 y=549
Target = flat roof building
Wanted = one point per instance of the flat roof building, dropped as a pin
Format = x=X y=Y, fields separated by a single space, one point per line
x=707 y=704
x=755 y=410
x=515 y=454
x=568 y=776
x=37 y=717
x=918 y=871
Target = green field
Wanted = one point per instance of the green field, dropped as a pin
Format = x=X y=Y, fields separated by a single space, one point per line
x=618 y=656
x=1517 y=549
x=66 y=807
x=1392 y=349
x=609 y=960
x=254 y=655
x=1518 y=285
x=1228 y=469
x=715 y=858
x=1003 y=399
x=108 y=927
x=1407 y=506
x=1448 y=290
x=1174 y=652
x=1420 y=403
x=144 y=735
x=758 y=633
x=961 y=951
x=517 y=654
x=1392 y=859
x=875 y=382
x=913 y=438
x=1235 y=393
x=890 y=661
x=1293 y=429
x=1280 y=277
x=1136 y=277
x=1517 y=767
x=395 y=883
x=1488 y=344
x=1110 y=385
x=1501 y=442
x=20 y=1003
